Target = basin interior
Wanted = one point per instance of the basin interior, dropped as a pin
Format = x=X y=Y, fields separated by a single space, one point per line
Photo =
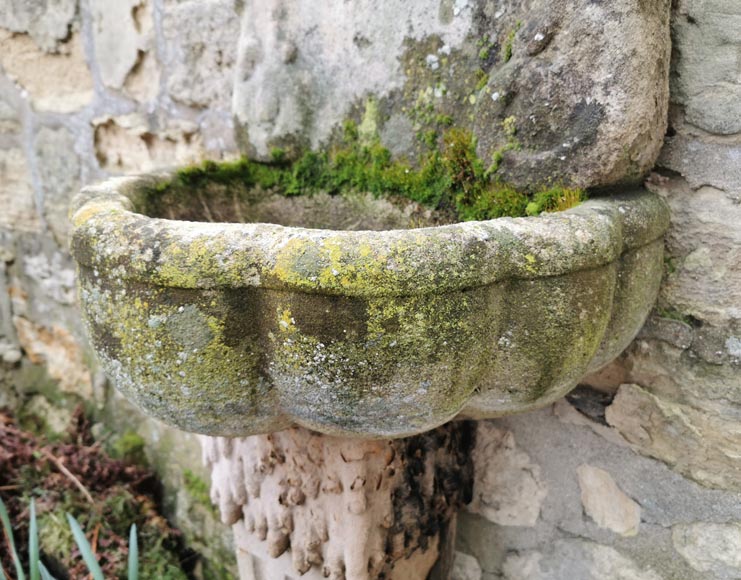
x=236 y=201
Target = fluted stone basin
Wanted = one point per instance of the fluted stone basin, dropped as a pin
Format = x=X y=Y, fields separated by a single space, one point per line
x=363 y=322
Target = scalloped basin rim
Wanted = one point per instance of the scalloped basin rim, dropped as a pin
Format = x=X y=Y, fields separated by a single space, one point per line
x=107 y=232
x=236 y=329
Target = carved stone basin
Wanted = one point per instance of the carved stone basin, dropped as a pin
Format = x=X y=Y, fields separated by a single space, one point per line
x=361 y=322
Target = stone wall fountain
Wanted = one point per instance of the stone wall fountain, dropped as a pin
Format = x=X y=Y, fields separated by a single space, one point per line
x=336 y=348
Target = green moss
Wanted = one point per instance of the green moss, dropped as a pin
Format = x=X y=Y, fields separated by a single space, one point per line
x=673 y=314
x=482 y=79
x=129 y=446
x=450 y=176
x=198 y=489
x=508 y=46
x=556 y=198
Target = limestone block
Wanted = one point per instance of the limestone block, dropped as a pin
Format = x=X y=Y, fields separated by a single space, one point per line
x=59 y=351
x=704 y=245
x=123 y=34
x=508 y=489
x=16 y=193
x=128 y=144
x=525 y=566
x=46 y=21
x=707 y=32
x=59 y=82
x=52 y=274
x=562 y=91
x=711 y=548
x=606 y=503
x=465 y=567
x=698 y=444
x=201 y=41
x=59 y=170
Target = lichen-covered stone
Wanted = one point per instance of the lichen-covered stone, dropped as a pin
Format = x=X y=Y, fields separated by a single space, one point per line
x=554 y=91
x=235 y=328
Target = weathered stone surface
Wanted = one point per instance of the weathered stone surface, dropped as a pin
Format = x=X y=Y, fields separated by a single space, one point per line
x=9 y=117
x=606 y=503
x=122 y=34
x=58 y=350
x=424 y=311
x=59 y=170
x=508 y=489
x=584 y=560
x=699 y=444
x=201 y=41
x=143 y=82
x=706 y=33
x=129 y=144
x=576 y=560
x=677 y=333
x=53 y=275
x=16 y=193
x=585 y=84
x=705 y=250
x=704 y=164
x=465 y=567
x=524 y=566
x=48 y=22
x=342 y=508
x=710 y=548
x=59 y=82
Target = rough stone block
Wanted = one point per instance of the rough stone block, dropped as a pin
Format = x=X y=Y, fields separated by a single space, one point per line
x=508 y=489
x=698 y=444
x=714 y=549
x=606 y=503
x=16 y=193
x=46 y=21
x=123 y=33
x=59 y=82
x=128 y=144
x=554 y=91
x=201 y=39
x=60 y=352
x=59 y=170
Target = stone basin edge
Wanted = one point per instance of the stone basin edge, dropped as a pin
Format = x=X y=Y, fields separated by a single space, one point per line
x=109 y=236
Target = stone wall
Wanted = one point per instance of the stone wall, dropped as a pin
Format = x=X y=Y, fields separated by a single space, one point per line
x=636 y=477
x=88 y=89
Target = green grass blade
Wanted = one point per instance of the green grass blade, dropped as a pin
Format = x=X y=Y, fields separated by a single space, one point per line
x=133 y=554
x=44 y=572
x=85 y=549
x=33 y=544
x=11 y=541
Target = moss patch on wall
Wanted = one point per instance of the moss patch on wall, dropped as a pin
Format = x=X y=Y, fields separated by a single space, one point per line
x=451 y=179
